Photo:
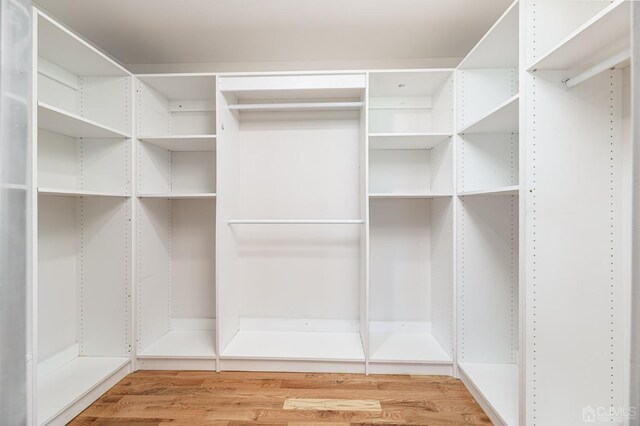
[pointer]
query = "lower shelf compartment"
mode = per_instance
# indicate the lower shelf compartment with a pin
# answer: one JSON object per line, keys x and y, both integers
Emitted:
{"x": 183, "y": 344}
{"x": 64, "y": 386}
{"x": 498, "y": 385}
{"x": 296, "y": 345}
{"x": 407, "y": 348}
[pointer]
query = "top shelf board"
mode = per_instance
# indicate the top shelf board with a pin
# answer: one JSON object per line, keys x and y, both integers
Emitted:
{"x": 406, "y": 84}
{"x": 502, "y": 119}
{"x": 182, "y": 86}
{"x": 60, "y": 46}
{"x": 603, "y": 36}
{"x": 499, "y": 47}
{"x": 406, "y": 140}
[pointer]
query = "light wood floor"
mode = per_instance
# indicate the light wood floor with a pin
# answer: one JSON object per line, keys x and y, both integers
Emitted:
{"x": 182, "y": 398}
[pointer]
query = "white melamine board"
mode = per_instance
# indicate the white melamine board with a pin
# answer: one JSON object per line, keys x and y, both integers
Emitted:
{"x": 180, "y": 196}
{"x": 58, "y": 263}
{"x": 181, "y": 86}
{"x": 574, "y": 249}
{"x": 364, "y": 236}
{"x": 153, "y": 270}
{"x": 107, "y": 100}
{"x": 79, "y": 193}
{"x": 406, "y": 84}
{"x": 105, "y": 288}
{"x": 182, "y": 142}
{"x": 193, "y": 172}
{"x": 501, "y": 119}
{"x": 185, "y": 344}
{"x": 62, "y": 47}
{"x": 153, "y": 169}
{"x": 426, "y": 195}
{"x": 442, "y": 279}
{"x": 488, "y": 279}
{"x": 152, "y": 111}
{"x": 487, "y": 161}
{"x": 406, "y": 140}
{"x": 603, "y": 36}
{"x": 193, "y": 258}
{"x": 502, "y": 190}
{"x": 59, "y": 121}
{"x": 55, "y": 90}
{"x": 400, "y": 260}
{"x": 294, "y": 86}
{"x": 57, "y": 160}
{"x": 59, "y": 389}
{"x": 574, "y": 31}
{"x": 295, "y": 346}
{"x": 407, "y": 347}
{"x": 482, "y": 93}
{"x": 499, "y": 386}
{"x": 441, "y": 168}
{"x": 400, "y": 171}
{"x": 499, "y": 47}
{"x": 293, "y": 106}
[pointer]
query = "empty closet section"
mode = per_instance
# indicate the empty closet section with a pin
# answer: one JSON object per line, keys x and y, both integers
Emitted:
{"x": 411, "y": 221}
{"x": 84, "y": 294}
{"x": 290, "y": 226}
{"x": 578, "y": 180}
{"x": 83, "y": 288}
{"x": 176, "y": 221}
{"x": 488, "y": 220}
{"x": 176, "y": 129}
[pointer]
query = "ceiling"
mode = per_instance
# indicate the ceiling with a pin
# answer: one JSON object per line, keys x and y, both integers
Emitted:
{"x": 214, "y": 31}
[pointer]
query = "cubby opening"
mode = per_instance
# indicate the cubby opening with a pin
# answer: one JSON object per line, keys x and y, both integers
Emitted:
{"x": 84, "y": 295}
{"x": 411, "y": 104}
{"x": 411, "y": 281}
{"x": 292, "y": 233}
{"x": 176, "y": 279}
{"x": 488, "y": 162}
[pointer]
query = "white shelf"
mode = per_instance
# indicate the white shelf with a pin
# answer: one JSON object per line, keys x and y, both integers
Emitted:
{"x": 182, "y": 142}
{"x": 182, "y": 86}
{"x": 64, "y": 386}
{"x": 79, "y": 193}
{"x": 603, "y": 36}
{"x": 505, "y": 190}
{"x": 191, "y": 196}
{"x": 183, "y": 344}
{"x": 65, "y": 49}
{"x": 502, "y": 119}
{"x": 406, "y": 140}
{"x": 499, "y": 47}
{"x": 297, "y": 106}
{"x": 407, "y": 195}
{"x": 498, "y": 384}
{"x": 59, "y": 121}
{"x": 284, "y": 345}
{"x": 406, "y": 348}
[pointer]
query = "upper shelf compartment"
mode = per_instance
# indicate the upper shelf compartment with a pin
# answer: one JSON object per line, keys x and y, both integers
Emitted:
{"x": 603, "y": 36}
{"x": 411, "y": 102}
{"x": 294, "y": 92}
{"x": 499, "y": 47}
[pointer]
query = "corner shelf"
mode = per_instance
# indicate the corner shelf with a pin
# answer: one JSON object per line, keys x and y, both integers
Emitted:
{"x": 185, "y": 196}
{"x": 505, "y": 190}
{"x": 59, "y": 121}
{"x": 407, "y": 195}
{"x": 182, "y": 344}
{"x": 497, "y": 385}
{"x": 604, "y": 35}
{"x": 184, "y": 143}
{"x": 407, "y": 140}
{"x": 502, "y": 119}
{"x": 79, "y": 193}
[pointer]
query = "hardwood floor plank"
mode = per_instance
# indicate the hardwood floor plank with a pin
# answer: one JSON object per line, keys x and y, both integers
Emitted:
{"x": 332, "y": 404}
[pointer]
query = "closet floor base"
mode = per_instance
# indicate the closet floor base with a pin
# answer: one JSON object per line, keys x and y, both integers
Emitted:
{"x": 183, "y": 344}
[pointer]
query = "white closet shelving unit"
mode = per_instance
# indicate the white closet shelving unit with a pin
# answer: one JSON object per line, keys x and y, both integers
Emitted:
{"x": 578, "y": 197}
{"x": 82, "y": 169}
{"x": 488, "y": 219}
{"x": 176, "y": 180}
{"x": 411, "y": 221}
{"x": 291, "y": 242}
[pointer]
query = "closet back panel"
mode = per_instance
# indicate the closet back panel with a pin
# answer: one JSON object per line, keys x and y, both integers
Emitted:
{"x": 193, "y": 258}
{"x": 58, "y": 263}
{"x": 488, "y": 161}
{"x": 575, "y": 261}
{"x": 299, "y": 166}
{"x": 488, "y": 279}
{"x": 482, "y": 90}
{"x": 400, "y": 170}
{"x": 193, "y": 172}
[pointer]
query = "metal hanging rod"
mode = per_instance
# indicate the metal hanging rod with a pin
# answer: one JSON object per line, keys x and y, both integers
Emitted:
{"x": 597, "y": 69}
{"x": 296, "y": 222}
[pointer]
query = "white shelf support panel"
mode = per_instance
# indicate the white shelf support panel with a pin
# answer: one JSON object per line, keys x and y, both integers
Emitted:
{"x": 296, "y": 222}
{"x": 607, "y": 64}
{"x": 297, "y": 106}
